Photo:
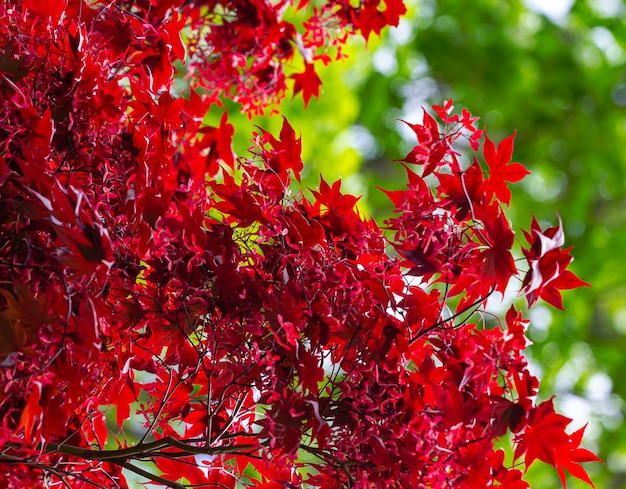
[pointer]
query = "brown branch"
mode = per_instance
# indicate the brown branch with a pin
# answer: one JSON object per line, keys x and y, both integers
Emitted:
{"x": 150, "y": 476}
{"x": 153, "y": 449}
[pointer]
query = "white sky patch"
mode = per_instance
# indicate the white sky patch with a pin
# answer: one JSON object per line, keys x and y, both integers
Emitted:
{"x": 358, "y": 138}
{"x": 605, "y": 41}
{"x": 540, "y": 319}
{"x": 403, "y": 34}
{"x": 606, "y": 8}
{"x": 542, "y": 188}
{"x": 580, "y": 361}
{"x": 535, "y": 368}
{"x": 599, "y": 387}
{"x": 204, "y": 461}
{"x": 384, "y": 61}
{"x": 598, "y": 405}
{"x": 499, "y": 304}
{"x": 555, "y": 10}
{"x": 598, "y": 414}
{"x": 576, "y": 408}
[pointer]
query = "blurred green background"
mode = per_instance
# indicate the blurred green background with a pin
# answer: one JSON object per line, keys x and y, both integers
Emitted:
{"x": 555, "y": 71}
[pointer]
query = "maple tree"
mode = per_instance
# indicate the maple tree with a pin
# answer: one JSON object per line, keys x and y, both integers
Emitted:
{"x": 252, "y": 335}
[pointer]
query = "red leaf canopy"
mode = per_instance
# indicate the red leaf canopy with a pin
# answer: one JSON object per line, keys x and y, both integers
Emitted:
{"x": 172, "y": 311}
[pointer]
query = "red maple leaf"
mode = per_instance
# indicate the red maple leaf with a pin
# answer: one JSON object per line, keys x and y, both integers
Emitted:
{"x": 432, "y": 147}
{"x": 332, "y": 198}
{"x": 48, "y": 11}
{"x": 498, "y": 265}
{"x": 307, "y": 82}
{"x": 571, "y": 459}
{"x": 172, "y": 34}
{"x": 33, "y": 411}
{"x": 548, "y": 264}
{"x": 272, "y": 475}
{"x": 544, "y": 435}
{"x": 371, "y": 19}
{"x": 501, "y": 170}
{"x": 219, "y": 140}
{"x": 285, "y": 153}
{"x": 462, "y": 189}
{"x": 545, "y": 439}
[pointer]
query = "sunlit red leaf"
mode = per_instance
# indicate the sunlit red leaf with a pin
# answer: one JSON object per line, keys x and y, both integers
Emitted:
{"x": 285, "y": 153}
{"x": 548, "y": 263}
{"x": 32, "y": 414}
{"x": 307, "y": 82}
{"x": 499, "y": 265}
{"x": 501, "y": 170}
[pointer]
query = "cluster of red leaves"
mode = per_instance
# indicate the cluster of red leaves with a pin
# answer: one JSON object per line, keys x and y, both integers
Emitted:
{"x": 236, "y": 48}
{"x": 264, "y": 338}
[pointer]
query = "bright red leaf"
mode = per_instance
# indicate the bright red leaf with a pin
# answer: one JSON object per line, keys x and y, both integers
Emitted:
{"x": 307, "y": 82}
{"x": 548, "y": 263}
{"x": 501, "y": 170}
{"x": 545, "y": 439}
